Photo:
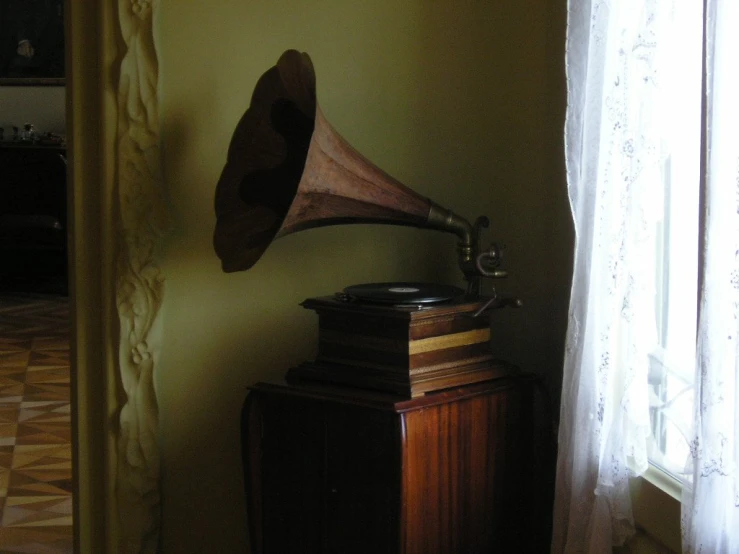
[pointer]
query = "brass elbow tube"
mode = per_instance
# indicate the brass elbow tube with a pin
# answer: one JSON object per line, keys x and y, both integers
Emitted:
{"x": 446, "y": 220}
{"x": 443, "y": 219}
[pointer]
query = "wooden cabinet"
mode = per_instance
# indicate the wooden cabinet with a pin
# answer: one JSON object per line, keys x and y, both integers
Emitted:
{"x": 33, "y": 210}
{"x": 345, "y": 471}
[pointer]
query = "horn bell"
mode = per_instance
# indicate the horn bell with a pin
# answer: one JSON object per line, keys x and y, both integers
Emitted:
{"x": 288, "y": 170}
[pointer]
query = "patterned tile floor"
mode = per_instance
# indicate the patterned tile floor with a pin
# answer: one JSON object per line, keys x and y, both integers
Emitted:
{"x": 35, "y": 433}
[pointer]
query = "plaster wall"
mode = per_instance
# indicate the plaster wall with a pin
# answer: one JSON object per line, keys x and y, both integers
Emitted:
{"x": 461, "y": 100}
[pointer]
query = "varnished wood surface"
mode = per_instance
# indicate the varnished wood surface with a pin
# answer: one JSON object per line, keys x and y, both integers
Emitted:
{"x": 265, "y": 162}
{"x": 404, "y": 345}
{"x": 327, "y": 477}
{"x": 339, "y": 185}
{"x": 329, "y": 304}
{"x": 332, "y": 470}
{"x": 449, "y": 340}
{"x": 36, "y": 491}
{"x": 403, "y": 384}
{"x": 466, "y": 475}
{"x": 401, "y": 349}
{"x": 387, "y": 401}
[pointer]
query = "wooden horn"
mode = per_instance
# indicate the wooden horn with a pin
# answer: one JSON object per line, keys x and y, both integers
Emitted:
{"x": 289, "y": 170}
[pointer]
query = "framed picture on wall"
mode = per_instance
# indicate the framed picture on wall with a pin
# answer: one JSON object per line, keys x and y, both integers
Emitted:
{"x": 31, "y": 42}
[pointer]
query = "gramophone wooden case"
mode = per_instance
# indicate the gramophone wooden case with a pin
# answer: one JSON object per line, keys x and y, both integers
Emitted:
{"x": 409, "y": 350}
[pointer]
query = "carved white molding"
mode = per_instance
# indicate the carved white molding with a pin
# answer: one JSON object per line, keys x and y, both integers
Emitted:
{"x": 141, "y": 224}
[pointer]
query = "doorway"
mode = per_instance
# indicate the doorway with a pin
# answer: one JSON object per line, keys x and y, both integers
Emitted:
{"x": 36, "y": 500}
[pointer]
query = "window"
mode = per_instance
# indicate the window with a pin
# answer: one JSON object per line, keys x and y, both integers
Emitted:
{"x": 672, "y": 364}
{"x": 644, "y": 144}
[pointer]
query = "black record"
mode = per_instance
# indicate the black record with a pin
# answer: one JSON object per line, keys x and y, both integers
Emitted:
{"x": 403, "y": 293}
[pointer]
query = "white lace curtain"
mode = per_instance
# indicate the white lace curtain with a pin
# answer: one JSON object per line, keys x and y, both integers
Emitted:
{"x": 619, "y": 58}
{"x": 711, "y": 500}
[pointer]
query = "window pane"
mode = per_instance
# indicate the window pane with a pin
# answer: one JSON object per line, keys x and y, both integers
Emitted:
{"x": 672, "y": 366}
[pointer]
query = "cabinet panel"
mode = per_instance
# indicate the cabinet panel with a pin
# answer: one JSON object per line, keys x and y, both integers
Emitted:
{"x": 330, "y": 477}
{"x": 374, "y": 473}
{"x": 363, "y": 463}
{"x": 293, "y": 476}
{"x": 463, "y": 472}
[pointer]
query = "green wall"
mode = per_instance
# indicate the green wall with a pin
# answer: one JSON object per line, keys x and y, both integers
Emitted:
{"x": 461, "y": 100}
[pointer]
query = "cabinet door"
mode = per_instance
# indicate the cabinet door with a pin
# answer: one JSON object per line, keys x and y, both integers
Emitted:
{"x": 323, "y": 476}
{"x": 465, "y": 473}
{"x": 292, "y": 475}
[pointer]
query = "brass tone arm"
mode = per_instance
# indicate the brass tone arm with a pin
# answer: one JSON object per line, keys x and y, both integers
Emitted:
{"x": 473, "y": 263}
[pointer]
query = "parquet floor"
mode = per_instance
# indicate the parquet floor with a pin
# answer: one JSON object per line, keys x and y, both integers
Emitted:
{"x": 35, "y": 432}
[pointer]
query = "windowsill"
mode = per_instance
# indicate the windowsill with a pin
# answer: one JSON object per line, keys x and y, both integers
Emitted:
{"x": 663, "y": 481}
{"x": 656, "y": 504}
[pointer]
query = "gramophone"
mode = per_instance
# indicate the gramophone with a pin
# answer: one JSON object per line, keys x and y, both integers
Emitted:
{"x": 288, "y": 170}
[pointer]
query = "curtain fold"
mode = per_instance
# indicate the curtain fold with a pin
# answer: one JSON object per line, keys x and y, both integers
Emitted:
{"x": 710, "y": 511}
{"x": 622, "y": 69}
{"x": 615, "y": 157}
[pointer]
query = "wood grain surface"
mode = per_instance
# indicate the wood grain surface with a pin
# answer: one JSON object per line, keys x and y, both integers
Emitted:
{"x": 341, "y": 470}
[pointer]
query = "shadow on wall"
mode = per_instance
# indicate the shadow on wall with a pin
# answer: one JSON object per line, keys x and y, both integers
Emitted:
{"x": 511, "y": 138}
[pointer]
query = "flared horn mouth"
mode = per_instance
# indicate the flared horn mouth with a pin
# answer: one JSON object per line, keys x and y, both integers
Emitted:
{"x": 265, "y": 161}
{"x": 288, "y": 170}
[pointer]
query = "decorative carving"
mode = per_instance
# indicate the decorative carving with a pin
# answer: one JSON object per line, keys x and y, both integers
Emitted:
{"x": 142, "y": 221}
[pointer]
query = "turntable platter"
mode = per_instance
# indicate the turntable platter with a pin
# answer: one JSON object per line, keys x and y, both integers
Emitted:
{"x": 403, "y": 293}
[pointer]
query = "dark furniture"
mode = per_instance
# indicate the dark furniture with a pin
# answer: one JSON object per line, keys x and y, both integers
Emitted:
{"x": 341, "y": 470}
{"x": 404, "y": 349}
{"x": 33, "y": 216}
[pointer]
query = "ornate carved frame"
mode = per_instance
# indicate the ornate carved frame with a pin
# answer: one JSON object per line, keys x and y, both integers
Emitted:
{"x": 118, "y": 220}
